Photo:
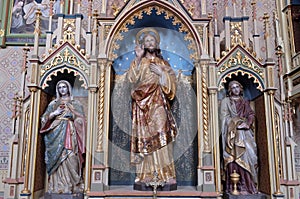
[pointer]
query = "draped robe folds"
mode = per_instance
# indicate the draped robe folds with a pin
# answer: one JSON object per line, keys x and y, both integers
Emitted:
{"x": 64, "y": 138}
{"x": 153, "y": 126}
{"x": 239, "y": 146}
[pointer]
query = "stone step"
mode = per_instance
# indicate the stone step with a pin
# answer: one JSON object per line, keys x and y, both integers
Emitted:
{"x": 252, "y": 196}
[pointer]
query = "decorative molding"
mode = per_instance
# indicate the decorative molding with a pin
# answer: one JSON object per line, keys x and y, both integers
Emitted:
{"x": 68, "y": 58}
{"x": 69, "y": 70}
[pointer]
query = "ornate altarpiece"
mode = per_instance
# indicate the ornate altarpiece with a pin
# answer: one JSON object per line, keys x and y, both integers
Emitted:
{"x": 95, "y": 60}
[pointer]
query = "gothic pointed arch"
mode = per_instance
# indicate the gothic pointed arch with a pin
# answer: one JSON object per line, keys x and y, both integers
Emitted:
{"x": 240, "y": 65}
{"x": 163, "y": 14}
{"x": 64, "y": 60}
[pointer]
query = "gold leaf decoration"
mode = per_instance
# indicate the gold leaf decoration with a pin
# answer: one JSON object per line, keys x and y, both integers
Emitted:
{"x": 191, "y": 10}
{"x": 2, "y": 32}
{"x": 69, "y": 31}
{"x": 115, "y": 8}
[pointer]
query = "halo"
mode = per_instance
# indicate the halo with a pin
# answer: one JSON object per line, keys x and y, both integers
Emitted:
{"x": 144, "y": 31}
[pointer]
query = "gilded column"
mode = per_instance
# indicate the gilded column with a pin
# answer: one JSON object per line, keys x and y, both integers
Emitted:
{"x": 105, "y": 139}
{"x": 269, "y": 67}
{"x": 214, "y": 123}
{"x": 92, "y": 122}
{"x": 89, "y": 137}
{"x": 26, "y": 189}
{"x": 34, "y": 114}
{"x": 277, "y": 192}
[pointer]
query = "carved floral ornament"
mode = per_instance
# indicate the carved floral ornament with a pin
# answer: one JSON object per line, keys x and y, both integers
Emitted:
{"x": 159, "y": 11}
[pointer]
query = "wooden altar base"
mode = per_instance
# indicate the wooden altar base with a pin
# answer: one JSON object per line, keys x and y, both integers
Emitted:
{"x": 143, "y": 187}
{"x": 63, "y": 196}
{"x": 127, "y": 192}
{"x": 252, "y": 196}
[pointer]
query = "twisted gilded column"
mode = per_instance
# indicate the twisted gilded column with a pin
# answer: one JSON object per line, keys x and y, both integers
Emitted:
{"x": 199, "y": 114}
{"x": 101, "y": 92}
{"x": 205, "y": 111}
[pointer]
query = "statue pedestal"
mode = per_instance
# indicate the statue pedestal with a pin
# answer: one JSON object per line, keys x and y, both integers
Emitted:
{"x": 250, "y": 196}
{"x": 143, "y": 187}
{"x": 63, "y": 196}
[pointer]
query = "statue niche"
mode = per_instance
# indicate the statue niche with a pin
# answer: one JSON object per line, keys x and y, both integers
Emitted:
{"x": 239, "y": 130}
{"x": 163, "y": 63}
{"x": 63, "y": 127}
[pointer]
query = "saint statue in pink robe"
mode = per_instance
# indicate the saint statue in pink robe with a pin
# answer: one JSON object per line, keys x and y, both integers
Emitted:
{"x": 64, "y": 129}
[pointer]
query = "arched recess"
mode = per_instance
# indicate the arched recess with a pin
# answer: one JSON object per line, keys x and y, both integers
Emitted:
{"x": 179, "y": 19}
{"x": 52, "y": 72}
{"x": 55, "y": 74}
{"x": 254, "y": 90}
{"x": 252, "y": 82}
{"x": 75, "y": 76}
{"x": 177, "y": 32}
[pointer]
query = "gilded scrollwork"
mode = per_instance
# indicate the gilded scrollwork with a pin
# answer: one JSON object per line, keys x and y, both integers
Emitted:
{"x": 240, "y": 59}
{"x": 64, "y": 57}
{"x": 61, "y": 70}
{"x": 236, "y": 36}
{"x": 243, "y": 65}
{"x": 139, "y": 14}
{"x": 148, "y": 11}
